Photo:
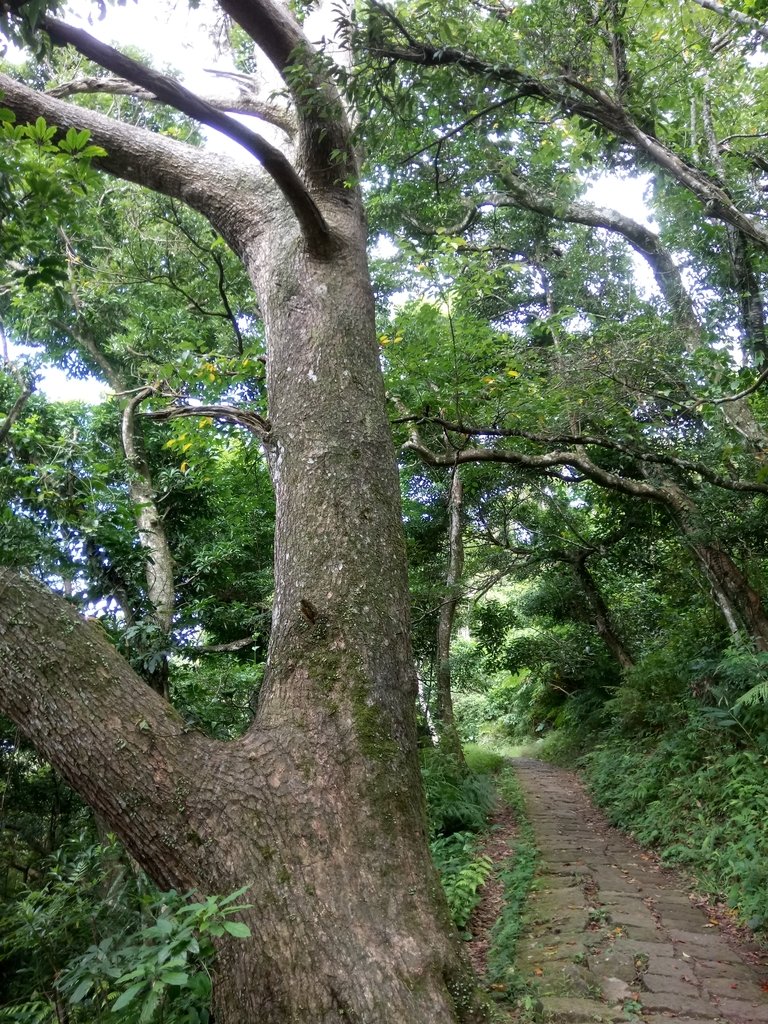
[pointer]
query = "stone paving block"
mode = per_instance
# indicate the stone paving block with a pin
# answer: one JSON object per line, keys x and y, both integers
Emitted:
{"x": 664, "y": 1018}
{"x": 616, "y": 991}
{"x": 743, "y": 1011}
{"x": 545, "y": 880}
{"x": 706, "y": 946}
{"x": 614, "y": 964}
{"x": 729, "y": 989}
{"x": 665, "y": 898}
{"x": 669, "y": 983}
{"x": 632, "y": 917}
{"x": 609, "y": 898}
{"x": 690, "y": 925}
{"x": 672, "y": 966}
{"x": 533, "y": 953}
{"x": 656, "y": 948}
{"x": 560, "y": 1010}
{"x": 718, "y": 969}
{"x": 616, "y": 883}
{"x": 680, "y": 1003}
{"x": 634, "y": 934}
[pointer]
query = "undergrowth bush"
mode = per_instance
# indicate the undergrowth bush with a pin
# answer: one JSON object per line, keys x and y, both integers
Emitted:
{"x": 458, "y": 803}
{"x": 458, "y": 800}
{"x": 95, "y": 941}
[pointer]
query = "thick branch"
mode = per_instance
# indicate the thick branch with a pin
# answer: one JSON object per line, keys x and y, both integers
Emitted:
{"x": 569, "y": 93}
{"x": 279, "y": 168}
{"x": 232, "y": 647}
{"x": 736, "y": 16}
{"x": 15, "y": 411}
{"x": 595, "y": 440}
{"x": 226, "y": 413}
{"x": 122, "y": 747}
{"x": 324, "y": 132}
{"x": 641, "y": 238}
{"x": 574, "y": 460}
{"x": 208, "y": 183}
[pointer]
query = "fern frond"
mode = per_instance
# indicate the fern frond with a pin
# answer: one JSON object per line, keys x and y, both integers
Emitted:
{"x": 754, "y": 696}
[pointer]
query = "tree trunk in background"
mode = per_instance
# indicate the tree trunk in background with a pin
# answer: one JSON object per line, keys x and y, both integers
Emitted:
{"x": 448, "y": 737}
{"x": 732, "y": 591}
{"x": 600, "y": 613}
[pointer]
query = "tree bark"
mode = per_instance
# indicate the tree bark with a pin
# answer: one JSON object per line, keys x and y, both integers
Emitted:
{"x": 600, "y": 614}
{"x": 448, "y": 736}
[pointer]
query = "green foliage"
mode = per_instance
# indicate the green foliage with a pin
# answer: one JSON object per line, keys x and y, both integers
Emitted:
{"x": 653, "y": 692}
{"x": 482, "y": 760}
{"x": 457, "y": 801}
{"x": 140, "y": 971}
{"x": 162, "y": 971}
{"x": 458, "y": 804}
{"x": 462, "y": 873}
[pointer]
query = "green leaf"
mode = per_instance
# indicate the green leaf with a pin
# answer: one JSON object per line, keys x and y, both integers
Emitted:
{"x": 238, "y": 929}
{"x": 81, "y": 991}
{"x": 128, "y": 996}
{"x": 175, "y": 978}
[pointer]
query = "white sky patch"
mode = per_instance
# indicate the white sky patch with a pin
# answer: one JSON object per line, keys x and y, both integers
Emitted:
{"x": 55, "y": 384}
{"x": 627, "y": 196}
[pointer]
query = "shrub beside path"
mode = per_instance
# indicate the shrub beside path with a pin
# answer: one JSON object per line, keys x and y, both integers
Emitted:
{"x": 611, "y": 936}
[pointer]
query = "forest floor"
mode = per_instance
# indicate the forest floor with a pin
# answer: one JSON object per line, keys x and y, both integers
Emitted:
{"x": 609, "y": 934}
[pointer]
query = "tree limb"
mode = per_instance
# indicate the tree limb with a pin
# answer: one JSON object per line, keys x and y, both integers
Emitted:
{"x": 279, "y": 168}
{"x": 741, "y": 19}
{"x": 226, "y": 413}
{"x": 324, "y": 132}
{"x": 245, "y": 103}
{"x": 207, "y": 182}
{"x": 576, "y": 459}
{"x": 16, "y": 409}
{"x": 119, "y": 744}
{"x": 567, "y": 92}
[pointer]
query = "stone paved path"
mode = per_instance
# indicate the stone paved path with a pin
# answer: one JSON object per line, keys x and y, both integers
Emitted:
{"x": 607, "y": 933}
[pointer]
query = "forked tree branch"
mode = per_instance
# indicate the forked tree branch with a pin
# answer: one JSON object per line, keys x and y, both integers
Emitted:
{"x": 325, "y": 148}
{"x": 275, "y": 163}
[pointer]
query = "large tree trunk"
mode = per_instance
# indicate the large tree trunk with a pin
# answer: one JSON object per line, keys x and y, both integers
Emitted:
{"x": 319, "y": 807}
